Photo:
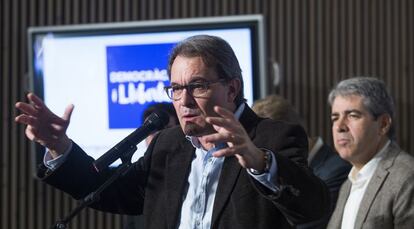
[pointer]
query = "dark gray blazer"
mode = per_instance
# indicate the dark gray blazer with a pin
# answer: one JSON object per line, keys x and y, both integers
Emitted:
{"x": 333, "y": 170}
{"x": 389, "y": 199}
{"x": 155, "y": 184}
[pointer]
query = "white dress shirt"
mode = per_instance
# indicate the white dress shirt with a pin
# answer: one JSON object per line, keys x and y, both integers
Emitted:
{"x": 360, "y": 180}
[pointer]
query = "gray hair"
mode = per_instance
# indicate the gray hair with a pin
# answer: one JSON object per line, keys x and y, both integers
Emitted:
{"x": 216, "y": 53}
{"x": 375, "y": 96}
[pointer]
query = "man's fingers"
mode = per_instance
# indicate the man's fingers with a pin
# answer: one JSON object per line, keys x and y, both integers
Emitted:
{"x": 223, "y": 112}
{"x": 229, "y": 124}
{"x": 26, "y": 108}
{"x": 216, "y": 137}
{"x": 229, "y": 151}
{"x": 226, "y": 119}
{"x": 29, "y": 134}
{"x": 222, "y": 153}
{"x": 36, "y": 100}
{"x": 26, "y": 119}
{"x": 68, "y": 112}
{"x": 218, "y": 121}
{"x": 65, "y": 118}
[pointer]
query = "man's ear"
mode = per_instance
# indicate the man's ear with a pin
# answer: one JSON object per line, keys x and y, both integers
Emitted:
{"x": 385, "y": 123}
{"x": 234, "y": 86}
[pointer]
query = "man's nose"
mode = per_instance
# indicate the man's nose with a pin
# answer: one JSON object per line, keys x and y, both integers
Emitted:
{"x": 341, "y": 125}
{"x": 186, "y": 98}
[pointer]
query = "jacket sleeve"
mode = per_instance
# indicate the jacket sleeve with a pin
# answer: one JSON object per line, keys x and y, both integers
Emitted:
{"x": 77, "y": 177}
{"x": 302, "y": 197}
{"x": 403, "y": 207}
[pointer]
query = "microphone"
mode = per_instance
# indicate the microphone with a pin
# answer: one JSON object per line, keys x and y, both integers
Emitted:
{"x": 156, "y": 121}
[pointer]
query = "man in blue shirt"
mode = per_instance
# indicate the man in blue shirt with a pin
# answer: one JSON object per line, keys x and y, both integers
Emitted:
{"x": 223, "y": 167}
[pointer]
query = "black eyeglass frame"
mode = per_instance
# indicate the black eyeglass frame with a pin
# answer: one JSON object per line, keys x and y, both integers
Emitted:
{"x": 190, "y": 88}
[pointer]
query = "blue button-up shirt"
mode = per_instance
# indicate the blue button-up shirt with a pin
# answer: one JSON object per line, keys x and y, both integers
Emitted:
{"x": 197, "y": 208}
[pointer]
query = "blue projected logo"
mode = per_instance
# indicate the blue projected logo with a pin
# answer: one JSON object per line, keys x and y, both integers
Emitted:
{"x": 136, "y": 78}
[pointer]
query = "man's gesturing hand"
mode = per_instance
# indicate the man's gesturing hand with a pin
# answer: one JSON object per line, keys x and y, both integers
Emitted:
{"x": 230, "y": 130}
{"x": 43, "y": 126}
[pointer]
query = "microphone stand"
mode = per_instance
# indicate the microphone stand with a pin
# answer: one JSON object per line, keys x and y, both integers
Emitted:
{"x": 95, "y": 195}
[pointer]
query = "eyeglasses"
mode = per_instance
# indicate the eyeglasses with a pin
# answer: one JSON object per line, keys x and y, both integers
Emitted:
{"x": 196, "y": 89}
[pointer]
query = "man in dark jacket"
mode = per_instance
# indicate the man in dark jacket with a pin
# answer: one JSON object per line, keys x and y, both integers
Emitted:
{"x": 224, "y": 167}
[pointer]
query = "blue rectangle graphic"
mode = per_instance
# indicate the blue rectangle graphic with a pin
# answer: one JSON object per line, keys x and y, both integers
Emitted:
{"x": 136, "y": 77}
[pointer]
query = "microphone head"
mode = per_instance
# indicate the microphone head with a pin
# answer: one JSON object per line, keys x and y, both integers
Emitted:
{"x": 158, "y": 119}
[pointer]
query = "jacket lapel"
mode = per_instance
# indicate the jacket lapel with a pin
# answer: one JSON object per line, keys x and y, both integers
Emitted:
{"x": 336, "y": 219}
{"x": 375, "y": 184}
{"x": 231, "y": 169}
{"x": 228, "y": 177}
{"x": 178, "y": 165}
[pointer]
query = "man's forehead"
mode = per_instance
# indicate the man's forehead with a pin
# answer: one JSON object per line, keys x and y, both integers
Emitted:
{"x": 191, "y": 73}
{"x": 191, "y": 78}
{"x": 348, "y": 99}
{"x": 347, "y": 111}
{"x": 347, "y": 104}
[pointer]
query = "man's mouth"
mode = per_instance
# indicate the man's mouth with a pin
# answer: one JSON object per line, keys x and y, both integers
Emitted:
{"x": 189, "y": 117}
{"x": 342, "y": 141}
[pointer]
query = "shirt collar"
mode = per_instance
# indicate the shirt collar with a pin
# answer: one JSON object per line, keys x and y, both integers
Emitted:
{"x": 368, "y": 169}
{"x": 194, "y": 140}
{"x": 316, "y": 147}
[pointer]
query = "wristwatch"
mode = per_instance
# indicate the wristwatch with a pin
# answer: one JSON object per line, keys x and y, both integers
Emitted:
{"x": 268, "y": 161}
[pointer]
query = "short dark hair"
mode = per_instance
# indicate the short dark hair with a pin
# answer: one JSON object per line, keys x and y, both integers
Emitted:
{"x": 375, "y": 96}
{"x": 216, "y": 53}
